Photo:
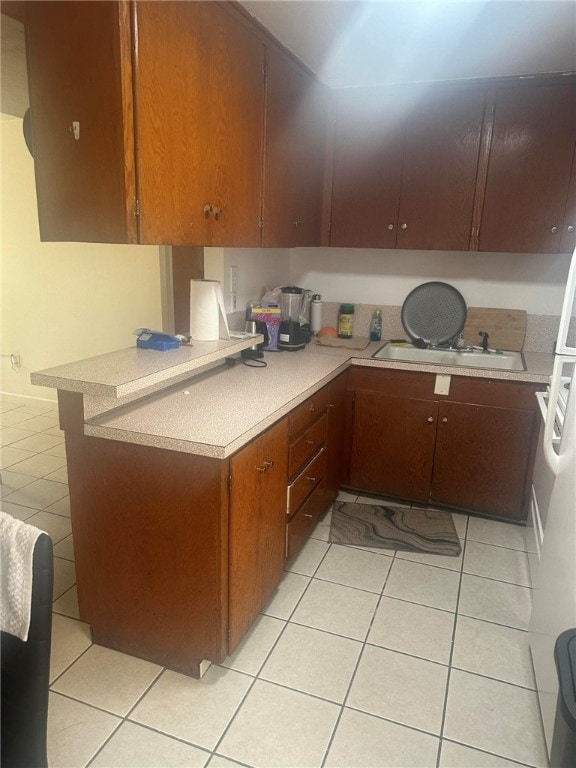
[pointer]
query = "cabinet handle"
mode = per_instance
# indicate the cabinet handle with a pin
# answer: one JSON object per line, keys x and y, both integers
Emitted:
{"x": 307, "y": 515}
{"x": 207, "y": 211}
{"x": 331, "y": 405}
{"x": 430, "y": 419}
{"x": 260, "y": 469}
{"x": 554, "y": 230}
{"x": 390, "y": 227}
{"x": 297, "y": 223}
{"x": 309, "y": 442}
{"x": 311, "y": 407}
{"x": 268, "y": 464}
{"x": 403, "y": 226}
{"x": 444, "y": 420}
{"x": 570, "y": 228}
{"x": 217, "y": 213}
{"x": 312, "y": 479}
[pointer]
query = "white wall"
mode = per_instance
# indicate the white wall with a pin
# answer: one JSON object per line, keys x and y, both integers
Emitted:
{"x": 512, "y": 281}
{"x": 63, "y": 301}
{"x": 257, "y": 269}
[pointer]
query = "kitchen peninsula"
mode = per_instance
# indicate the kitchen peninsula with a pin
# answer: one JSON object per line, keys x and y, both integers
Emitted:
{"x": 192, "y": 480}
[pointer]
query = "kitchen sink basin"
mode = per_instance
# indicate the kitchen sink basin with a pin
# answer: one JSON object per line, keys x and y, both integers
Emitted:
{"x": 473, "y": 358}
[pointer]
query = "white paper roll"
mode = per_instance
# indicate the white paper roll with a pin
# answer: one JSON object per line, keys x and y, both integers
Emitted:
{"x": 207, "y": 312}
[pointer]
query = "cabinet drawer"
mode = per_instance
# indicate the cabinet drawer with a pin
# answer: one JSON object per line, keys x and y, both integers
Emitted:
{"x": 305, "y": 520}
{"x": 307, "y": 412}
{"x": 307, "y": 445}
{"x": 306, "y": 481}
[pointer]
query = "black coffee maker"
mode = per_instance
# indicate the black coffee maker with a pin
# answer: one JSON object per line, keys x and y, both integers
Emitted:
{"x": 294, "y": 332}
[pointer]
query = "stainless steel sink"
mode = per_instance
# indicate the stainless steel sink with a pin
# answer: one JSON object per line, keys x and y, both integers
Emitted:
{"x": 475, "y": 358}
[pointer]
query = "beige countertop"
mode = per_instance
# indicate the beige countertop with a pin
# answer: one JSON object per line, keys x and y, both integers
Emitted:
{"x": 217, "y": 412}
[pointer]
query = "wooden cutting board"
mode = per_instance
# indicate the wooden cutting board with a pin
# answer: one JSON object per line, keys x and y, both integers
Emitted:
{"x": 506, "y": 328}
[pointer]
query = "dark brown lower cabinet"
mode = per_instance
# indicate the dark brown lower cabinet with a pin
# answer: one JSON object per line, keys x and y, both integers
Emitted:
{"x": 472, "y": 449}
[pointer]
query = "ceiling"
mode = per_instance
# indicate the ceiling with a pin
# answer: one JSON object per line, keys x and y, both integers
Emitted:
{"x": 365, "y": 42}
{"x": 351, "y": 43}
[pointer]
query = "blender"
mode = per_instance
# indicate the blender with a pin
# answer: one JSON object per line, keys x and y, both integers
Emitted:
{"x": 294, "y": 331}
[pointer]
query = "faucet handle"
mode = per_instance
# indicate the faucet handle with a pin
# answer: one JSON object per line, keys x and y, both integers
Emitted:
{"x": 485, "y": 338}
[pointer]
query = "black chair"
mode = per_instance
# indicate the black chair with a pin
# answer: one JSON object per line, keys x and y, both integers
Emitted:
{"x": 26, "y": 673}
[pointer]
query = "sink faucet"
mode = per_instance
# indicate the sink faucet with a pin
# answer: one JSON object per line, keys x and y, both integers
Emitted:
{"x": 485, "y": 338}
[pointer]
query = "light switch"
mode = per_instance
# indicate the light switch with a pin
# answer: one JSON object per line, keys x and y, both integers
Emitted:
{"x": 442, "y": 384}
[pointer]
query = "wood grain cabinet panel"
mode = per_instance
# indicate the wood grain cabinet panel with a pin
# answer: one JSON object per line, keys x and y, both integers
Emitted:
{"x": 296, "y": 111}
{"x": 529, "y": 169}
{"x": 259, "y": 474}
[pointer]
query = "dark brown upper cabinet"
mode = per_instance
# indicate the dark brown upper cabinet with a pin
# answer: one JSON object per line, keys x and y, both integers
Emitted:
{"x": 405, "y": 166}
{"x": 296, "y": 109}
{"x": 529, "y": 169}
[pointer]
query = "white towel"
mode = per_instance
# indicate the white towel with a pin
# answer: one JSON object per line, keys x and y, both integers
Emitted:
{"x": 17, "y": 542}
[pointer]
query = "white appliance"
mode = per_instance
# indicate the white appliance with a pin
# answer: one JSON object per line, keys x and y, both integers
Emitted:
{"x": 552, "y": 551}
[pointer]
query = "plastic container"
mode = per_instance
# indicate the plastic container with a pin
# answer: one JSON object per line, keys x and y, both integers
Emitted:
{"x": 316, "y": 313}
{"x": 346, "y": 321}
{"x": 376, "y": 326}
{"x": 563, "y": 749}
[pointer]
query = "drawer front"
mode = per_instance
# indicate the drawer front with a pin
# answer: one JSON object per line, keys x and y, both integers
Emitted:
{"x": 307, "y": 412}
{"x": 306, "y": 482}
{"x": 307, "y": 445}
{"x": 301, "y": 525}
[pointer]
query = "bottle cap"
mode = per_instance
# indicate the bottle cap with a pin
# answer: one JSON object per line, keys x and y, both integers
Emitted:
{"x": 316, "y": 297}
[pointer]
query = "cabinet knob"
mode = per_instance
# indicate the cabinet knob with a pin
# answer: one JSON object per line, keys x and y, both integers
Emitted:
{"x": 311, "y": 407}
{"x": 297, "y": 223}
{"x": 570, "y": 228}
{"x": 444, "y": 420}
{"x": 309, "y": 442}
{"x": 307, "y": 515}
{"x": 268, "y": 464}
{"x": 554, "y": 230}
{"x": 260, "y": 469}
{"x": 430, "y": 418}
{"x": 207, "y": 211}
{"x": 390, "y": 227}
{"x": 403, "y": 226}
{"x": 217, "y": 212}
{"x": 312, "y": 479}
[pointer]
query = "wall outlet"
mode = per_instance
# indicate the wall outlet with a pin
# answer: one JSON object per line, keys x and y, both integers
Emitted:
{"x": 234, "y": 279}
{"x": 442, "y": 385}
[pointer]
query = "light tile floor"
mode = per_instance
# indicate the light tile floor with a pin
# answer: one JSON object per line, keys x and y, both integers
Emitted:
{"x": 364, "y": 657}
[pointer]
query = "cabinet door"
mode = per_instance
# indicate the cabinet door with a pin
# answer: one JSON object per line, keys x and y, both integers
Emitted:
{"x": 366, "y": 174}
{"x": 529, "y": 169}
{"x": 257, "y": 527}
{"x": 441, "y": 152}
{"x": 335, "y": 436}
{"x": 482, "y": 457}
{"x": 393, "y": 445}
{"x": 199, "y": 85}
{"x": 294, "y": 154}
{"x": 79, "y": 77}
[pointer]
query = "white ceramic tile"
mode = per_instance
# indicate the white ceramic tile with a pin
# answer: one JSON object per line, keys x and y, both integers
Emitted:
{"x": 54, "y": 431}
{"x": 107, "y": 679}
{"x": 64, "y": 576}
{"x": 70, "y": 638}
{"x": 309, "y": 557}
{"x": 253, "y": 650}
{"x": 436, "y": 587}
{"x": 38, "y": 465}
{"x": 10, "y": 456}
{"x": 494, "y": 651}
{"x": 75, "y": 731}
{"x": 56, "y": 526}
{"x": 509, "y": 565}
{"x": 495, "y": 717}
{"x": 460, "y": 523}
{"x": 287, "y": 595}
{"x": 38, "y": 409}
{"x": 39, "y": 494}
{"x": 39, "y": 423}
{"x": 64, "y": 548}
{"x": 12, "y": 417}
{"x": 60, "y": 507}
{"x": 58, "y": 450}
{"x": 217, "y": 761}
{"x": 398, "y": 687}
{"x": 452, "y": 563}
{"x": 335, "y": 608}
{"x": 196, "y": 711}
{"x": 368, "y": 742}
{"x": 10, "y": 435}
{"x": 59, "y": 475}
{"x": 457, "y": 756}
{"x": 313, "y": 662}
{"x": 495, "y": 601}
{"x": 414, "y": 629}
{"x": 354, "y": 568}
{"x": 276, "y": 727}
{"x": 37, "y": 442}
{"x": 13, "y": 481}
{"x": 18, "y": 512}
{"x": 497, "y": 533}
{"x": 67, "y": 604}
{"x": 133, "y": 746}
